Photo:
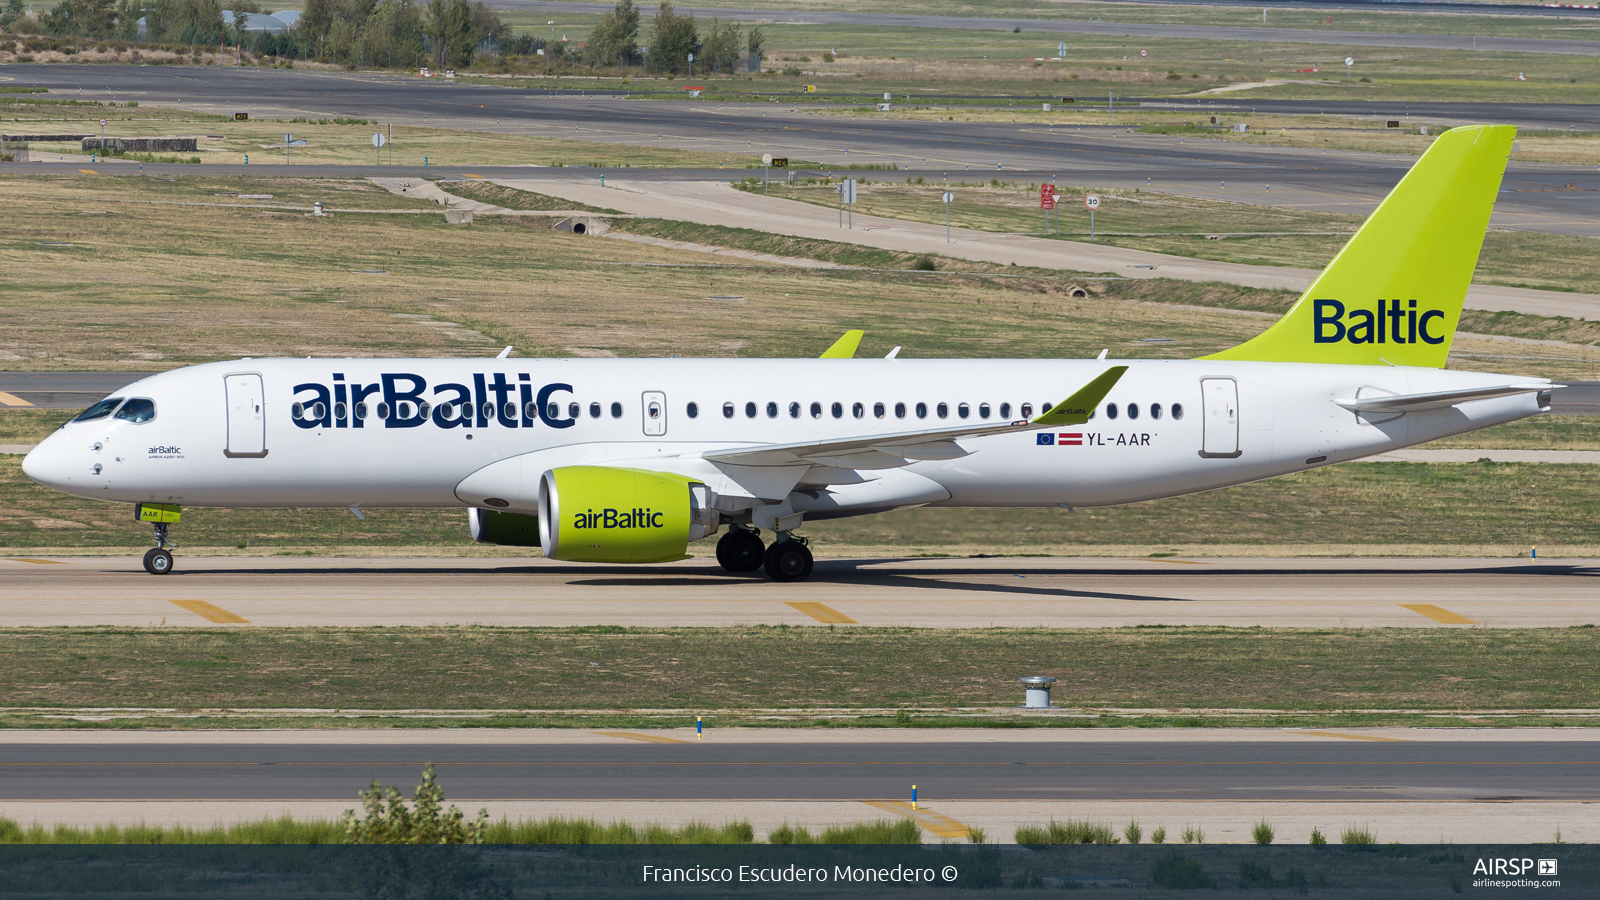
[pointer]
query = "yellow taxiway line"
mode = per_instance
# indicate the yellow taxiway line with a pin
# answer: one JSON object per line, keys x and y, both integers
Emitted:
{"x": 823, "y": 613}
{"x": 12, "y": 400}
{"x": 1438, "y": 613}
{"x": 646, "y": 738}
{"x": 937, "y": 824}
{"x": 211, "y": 612}
{"x": 1351, "y": 737}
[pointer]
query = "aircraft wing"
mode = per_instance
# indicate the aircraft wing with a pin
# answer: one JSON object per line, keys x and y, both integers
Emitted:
{"x": 887, "y": 451}
{"x": 1438, "y": 399}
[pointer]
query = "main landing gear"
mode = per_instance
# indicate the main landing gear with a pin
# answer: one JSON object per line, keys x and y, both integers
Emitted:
{"x": 158, "y": 561}
{"x": 788, "y": 559}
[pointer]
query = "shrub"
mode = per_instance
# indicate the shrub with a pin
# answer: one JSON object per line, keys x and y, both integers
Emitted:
{"x": 925, "y": 264}
{"x": 1071, "y": 831}
{"x": 389, "y": 821}
{"x": 1317, "y": 839}
{"x": 1193, "y": 834}
{"x": 1174, "y": 870}
{"x": 903, "y": 831}
{"x": 1262, "y": 833}
{"x": 1133, "y": 833}
{"x": 1159, "y": 836}
{"x": 1354, "y": 836}
{"x": 1173, "y": 76}
{"x": 976, "y": 835}
{"x": 827, "y": 57}
{"x": 793, "y": 70}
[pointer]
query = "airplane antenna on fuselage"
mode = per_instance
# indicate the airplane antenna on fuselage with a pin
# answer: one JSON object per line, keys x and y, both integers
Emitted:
{"x": 1103, "y": 353}
{"x": 893, "y": 353}
{"x": 503, "y": 353}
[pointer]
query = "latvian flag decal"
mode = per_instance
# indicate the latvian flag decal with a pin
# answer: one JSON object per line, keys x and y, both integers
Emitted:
{"x": 1071, "y": 440}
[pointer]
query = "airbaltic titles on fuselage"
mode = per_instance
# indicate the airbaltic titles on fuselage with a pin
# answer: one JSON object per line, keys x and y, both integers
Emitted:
{"x": 407, "y": 402}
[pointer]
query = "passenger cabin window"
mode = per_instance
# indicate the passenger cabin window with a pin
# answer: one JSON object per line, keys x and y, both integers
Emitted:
{"x": 816, "y": 410}
{"x": 594, "y": 410}
{"x": 1133, "y": 410}
{"x": 383, "y": 410}
{"x": 983, "y": 410}
{"x": 361, "y": 411}
{"x": 944, "y": 410}
{"x": 616, "y": 410}
{"x": 1005, "y": 410}
{"x": 727, "y": 410}
{"x": 693, "y": 409}
{"x": 749, "y": 410}
{"x": 877, "y": 410}
{"x": 922, "y": 410}
{"x": 899, "y": 410}
{"x": 772, "y": 410}
{"x": 837, "y": 410}
{"x": 1111, "y": 410}
{"x": 1177, "y": 410}
{"x": 857, "y": 410}
{"x": 340, "y": 411}
{"x": 529, "y": 410}
{"x": 794, "y": 410}
{"x": 574, "y": 410}
{"x": 1155, "y": 410}
{"x": 99, "y": 410}
{"x": 1027, "y": 410}
{"x": 963, "y": 410}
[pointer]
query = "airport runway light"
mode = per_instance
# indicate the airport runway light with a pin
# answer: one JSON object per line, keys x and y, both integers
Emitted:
{"x": 913, "y": 796}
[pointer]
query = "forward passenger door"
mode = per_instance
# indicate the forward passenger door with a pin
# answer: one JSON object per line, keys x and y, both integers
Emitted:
{"x": 247, "y": 421}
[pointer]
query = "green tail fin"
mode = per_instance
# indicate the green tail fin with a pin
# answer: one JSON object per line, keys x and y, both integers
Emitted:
{"x": 844, "y": 347}
{"x": 1394, "y": 293}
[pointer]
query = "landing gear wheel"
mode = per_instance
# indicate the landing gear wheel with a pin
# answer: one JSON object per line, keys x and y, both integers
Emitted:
{"x": 741, "y": 551}
{"x": 789, "y": 561}
{"x": 158, "y": 562}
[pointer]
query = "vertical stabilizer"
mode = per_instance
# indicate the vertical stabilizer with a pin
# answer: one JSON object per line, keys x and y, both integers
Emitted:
{"x": 1394, "y": 293}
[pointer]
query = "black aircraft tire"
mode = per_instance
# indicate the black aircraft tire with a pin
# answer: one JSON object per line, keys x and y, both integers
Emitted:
{"x": 158, "y": 562}
{"x": 741, "y": 551}
{"x": 789, "y": 561}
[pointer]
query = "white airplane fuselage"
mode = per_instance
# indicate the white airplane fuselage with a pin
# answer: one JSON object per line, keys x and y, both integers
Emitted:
{"x": 207, "y": 446}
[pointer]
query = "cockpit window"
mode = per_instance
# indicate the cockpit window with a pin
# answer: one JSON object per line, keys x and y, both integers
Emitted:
{"x": 139, "y": 409}
{"x": 99, "y": 410}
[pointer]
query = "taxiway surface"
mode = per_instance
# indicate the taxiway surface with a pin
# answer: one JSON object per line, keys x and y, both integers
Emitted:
{"x": 1536, "y": 197}
{"x": 1406, "y": 784}
{"x": 935, "y": 593}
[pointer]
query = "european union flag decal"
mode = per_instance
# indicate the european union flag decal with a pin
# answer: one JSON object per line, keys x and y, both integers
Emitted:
{"x": 1046, "y": 440}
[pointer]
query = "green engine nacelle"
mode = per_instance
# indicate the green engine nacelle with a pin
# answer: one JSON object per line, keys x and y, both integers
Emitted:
{"x": 605, "y": 514}
{"x": 503, "y": 528}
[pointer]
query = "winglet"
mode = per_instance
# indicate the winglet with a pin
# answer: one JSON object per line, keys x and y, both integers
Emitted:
{"x": 845, "y": 347}
{"x": 1077, "y": 409}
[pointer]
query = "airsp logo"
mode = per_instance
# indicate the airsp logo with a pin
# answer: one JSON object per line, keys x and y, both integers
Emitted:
{"x": 1394, "y": 322}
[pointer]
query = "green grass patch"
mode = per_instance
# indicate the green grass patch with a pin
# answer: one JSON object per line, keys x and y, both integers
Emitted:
{"x": 549, "y": 672}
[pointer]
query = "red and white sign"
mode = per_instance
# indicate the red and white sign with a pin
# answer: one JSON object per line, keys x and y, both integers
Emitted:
{"x": 102, "y": 123}
{"x": 1047, "y": 196}
{"x": 1144, "y": 53}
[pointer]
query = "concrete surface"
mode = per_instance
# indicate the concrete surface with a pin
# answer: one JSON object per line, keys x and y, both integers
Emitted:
{"x": 942, "y": 593}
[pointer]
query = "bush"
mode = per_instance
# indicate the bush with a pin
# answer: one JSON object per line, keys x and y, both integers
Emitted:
{"x": 1317, "y": 839}
{"x": 1133, "y": 833}
{"x": 1159, "y": 836}
{"x": 1071, "y": 831}
{"x": 390, "y": 821}
{"x": 925, "y": 264}
{"x": 1262, "y": 833}
{"x": 903, "y": 831}
{"x": 1193, "y": 834}
{"x": 1174, "y": 870}
{"x": 827, "y": 57}
{"x": 1357, "y": 837}
{"x": 560, "y": 830}
{"x": 976, "y": 835}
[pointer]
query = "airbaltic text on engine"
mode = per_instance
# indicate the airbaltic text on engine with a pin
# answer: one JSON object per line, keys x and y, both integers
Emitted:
{"x": 610, "y": 518}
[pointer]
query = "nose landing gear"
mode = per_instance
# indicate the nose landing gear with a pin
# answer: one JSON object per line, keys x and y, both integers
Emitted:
{"x": 161, "y": 517}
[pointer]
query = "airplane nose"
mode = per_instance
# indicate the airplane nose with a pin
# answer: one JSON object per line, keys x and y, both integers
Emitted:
{"x": 40, "y": 463}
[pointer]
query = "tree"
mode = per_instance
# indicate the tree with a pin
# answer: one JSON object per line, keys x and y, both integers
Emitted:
{"x": 90, "y": 18}
{"x": 14, "y": 10}
{"x": 672, "y": 39}
{"x": 720, "y": 50}
{"x": 449, "y": 27}
{"x": 615, "y": 41}
{"x": 757, "y": 39}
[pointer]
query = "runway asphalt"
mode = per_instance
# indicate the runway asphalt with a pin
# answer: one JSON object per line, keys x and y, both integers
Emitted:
{"x": 1536, "y": 197}
{"x": 924, "y": 593}
{"x": 1406, "y": 784}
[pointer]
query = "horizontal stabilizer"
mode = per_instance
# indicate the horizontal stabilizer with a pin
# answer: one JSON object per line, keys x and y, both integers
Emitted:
{"x": 1439, "y": 399}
